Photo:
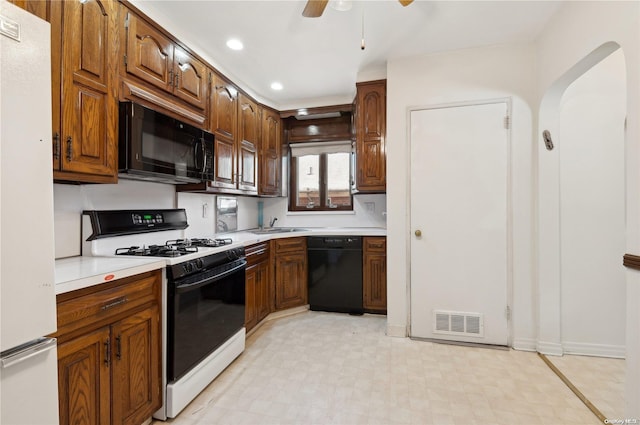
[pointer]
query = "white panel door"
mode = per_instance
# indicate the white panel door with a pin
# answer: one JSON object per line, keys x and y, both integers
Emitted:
{"x": 459, "y": 203}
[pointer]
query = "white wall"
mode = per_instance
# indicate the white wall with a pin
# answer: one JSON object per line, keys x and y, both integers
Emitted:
{"x": 578, "y": 36}
{"x": 461, "y": 76}
{"x": 70, "y": 200}
{"x": 592, "y": 211}
{"x": 368, "y": 211}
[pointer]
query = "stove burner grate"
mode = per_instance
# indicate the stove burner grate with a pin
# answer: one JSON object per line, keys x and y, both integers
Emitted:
{"x": 157, "y": 251}
{"x": 203, "y": 242}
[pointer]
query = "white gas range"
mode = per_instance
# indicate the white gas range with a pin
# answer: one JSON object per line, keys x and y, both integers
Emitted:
{"x": 203, "y": 298}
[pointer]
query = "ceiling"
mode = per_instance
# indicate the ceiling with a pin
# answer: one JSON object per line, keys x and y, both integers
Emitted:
{"x": 319, "y": 60}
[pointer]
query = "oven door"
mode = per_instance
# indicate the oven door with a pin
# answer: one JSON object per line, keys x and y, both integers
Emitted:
{"x": 155, "y": 145}
{"x": 205, "y": 310}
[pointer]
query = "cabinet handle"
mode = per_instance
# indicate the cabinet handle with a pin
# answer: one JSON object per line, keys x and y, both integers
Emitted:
{"x": 177, "y": 77}
{"x": 171, "y": 77}
{"x": 107, "y": 354}
{"x": 69, "y": 149}
{"x": 56, "y": 145}
{"x": 118, "y": 347}
{"x": 115, "y": 303}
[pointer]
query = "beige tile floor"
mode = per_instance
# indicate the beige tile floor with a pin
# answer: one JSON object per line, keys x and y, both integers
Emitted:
{"x": 600, "y": 380}
{"x": 326, "y": 368}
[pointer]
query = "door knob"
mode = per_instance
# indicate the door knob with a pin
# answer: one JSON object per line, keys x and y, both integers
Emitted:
{"x": 418, "y": 233}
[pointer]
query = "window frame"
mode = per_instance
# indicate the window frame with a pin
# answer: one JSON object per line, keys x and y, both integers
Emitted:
{"x": 323, "y": 183}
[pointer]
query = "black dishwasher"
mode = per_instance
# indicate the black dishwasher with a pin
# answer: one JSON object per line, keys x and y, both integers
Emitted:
{"x": 335, "y": 273}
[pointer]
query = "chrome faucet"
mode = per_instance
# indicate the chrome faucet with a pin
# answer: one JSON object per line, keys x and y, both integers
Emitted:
{"x": 273, "y": 221}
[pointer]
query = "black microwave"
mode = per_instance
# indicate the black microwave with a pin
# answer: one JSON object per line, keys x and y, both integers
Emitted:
{"x": 155, "y": 147}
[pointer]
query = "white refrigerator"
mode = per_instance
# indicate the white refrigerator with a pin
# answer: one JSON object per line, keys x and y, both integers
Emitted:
{"x": 28, "y": 359}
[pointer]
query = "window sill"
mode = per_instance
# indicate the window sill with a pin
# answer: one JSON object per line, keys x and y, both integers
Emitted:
{"x": 307, "y": 213}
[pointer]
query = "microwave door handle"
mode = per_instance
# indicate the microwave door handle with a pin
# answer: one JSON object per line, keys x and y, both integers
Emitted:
{"x": 204, "y": 157}
{"x": 196, "y": 153}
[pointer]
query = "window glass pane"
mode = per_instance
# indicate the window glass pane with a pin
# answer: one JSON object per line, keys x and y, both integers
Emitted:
{"x": 308, "y": 179}
{"x": 338, "y": 179}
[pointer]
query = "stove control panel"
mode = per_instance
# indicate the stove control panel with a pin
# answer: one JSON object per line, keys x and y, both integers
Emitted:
{"x": 147, "y": 218}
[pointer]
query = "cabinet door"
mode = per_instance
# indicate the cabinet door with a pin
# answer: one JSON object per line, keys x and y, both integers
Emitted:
{"x": 270, "y": 152}
{"x": 291, "y": 280}
{"x": 224, "y": 122}
{"x": 251, "y": 281}
{"x": 263, "y": 292}
{"x": 224, "y": 107}
{"x": 249, "y": 132}
{"x": 136, "y": 367}
{"x": 190, "y": 79}
{"x": 374, "y": 274}
{"x": 370, "y": 136}
{"x": 89, "y": 107}
{"x": 149, "y": 53}
{"x": 84, "y": 379}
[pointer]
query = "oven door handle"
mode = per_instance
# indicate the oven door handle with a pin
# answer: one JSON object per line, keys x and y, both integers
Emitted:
{"x": 208, "y": 280}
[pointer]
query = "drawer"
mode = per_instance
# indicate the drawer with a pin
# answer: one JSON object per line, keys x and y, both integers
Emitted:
{"x": 290, "y": 245}
{"x": 257, "y": 253}
{"x": 375, "y": 244}
{"x": 77, "y": 309}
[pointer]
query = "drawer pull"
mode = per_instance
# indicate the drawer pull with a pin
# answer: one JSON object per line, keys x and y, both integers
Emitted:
{"x": 376, "y": 245}
{"x": 115, "y": 303}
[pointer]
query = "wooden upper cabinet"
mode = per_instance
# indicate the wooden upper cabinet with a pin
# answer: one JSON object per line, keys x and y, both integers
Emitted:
{"x": 249, "y": 132}
{"x": 190, "y": 76}
{"x": 370, "y": 136}
{"x": 87, "y": 138}
{"x": 224, "y": 107}
{"x": 155, "y": 58}
{"x": 149, "y": 54}
{"x": 224, "y": 123}
{"x": 270, "y": 153}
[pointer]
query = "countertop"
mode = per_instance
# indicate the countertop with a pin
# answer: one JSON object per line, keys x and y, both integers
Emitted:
{"x": 245, "y": 237}
{"x": 81, "y": 272}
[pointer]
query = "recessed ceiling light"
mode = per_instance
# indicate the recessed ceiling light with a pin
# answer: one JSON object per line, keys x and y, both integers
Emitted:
{"x": 276, "y": 86}
{"x": 234, "y": 44}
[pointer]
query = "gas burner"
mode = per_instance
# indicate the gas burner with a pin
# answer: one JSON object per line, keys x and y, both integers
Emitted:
{"x": 210, "y": 243}
{"x": 157, "y": 251}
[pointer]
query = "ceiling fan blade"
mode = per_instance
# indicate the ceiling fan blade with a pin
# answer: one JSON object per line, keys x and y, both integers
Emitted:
{"x": 405, "y": 2}
{"x": 314, "y": 8}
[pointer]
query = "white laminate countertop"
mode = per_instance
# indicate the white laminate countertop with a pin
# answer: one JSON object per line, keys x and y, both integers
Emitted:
{"x": 81, "y": 272}
{"x": 246, "y": 237}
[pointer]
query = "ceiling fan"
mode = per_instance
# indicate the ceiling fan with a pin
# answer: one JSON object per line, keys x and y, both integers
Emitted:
{"x": 314, "y": 8}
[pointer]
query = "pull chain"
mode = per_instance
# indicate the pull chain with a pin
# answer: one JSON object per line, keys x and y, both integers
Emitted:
{"x": 362, "y": 41}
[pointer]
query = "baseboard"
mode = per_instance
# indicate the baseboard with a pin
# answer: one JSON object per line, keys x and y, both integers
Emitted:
{"x": 599, "y": 350}
{"x": 549, "y": 348}
{"x": 397, "y": 331}
{"x": 524, "y": 344}
{"x": 287, "y": 312}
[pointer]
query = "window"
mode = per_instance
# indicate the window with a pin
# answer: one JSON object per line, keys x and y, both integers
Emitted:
{"x": 320, "y": 177}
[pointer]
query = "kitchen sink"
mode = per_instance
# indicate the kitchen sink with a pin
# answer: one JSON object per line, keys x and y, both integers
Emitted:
{"x": 271, "y": 230}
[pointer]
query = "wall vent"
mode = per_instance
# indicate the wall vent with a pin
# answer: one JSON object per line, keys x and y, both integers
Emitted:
{"x": 458, "y": 323}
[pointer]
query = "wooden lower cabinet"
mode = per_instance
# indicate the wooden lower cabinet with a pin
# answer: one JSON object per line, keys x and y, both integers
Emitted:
{"x": 374, "y": 274}
{"x": 84, "y": 382}
{"x": 290, "y": 272}
{"x": 258, "y": 285}
{"x": 109, "y": 352}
